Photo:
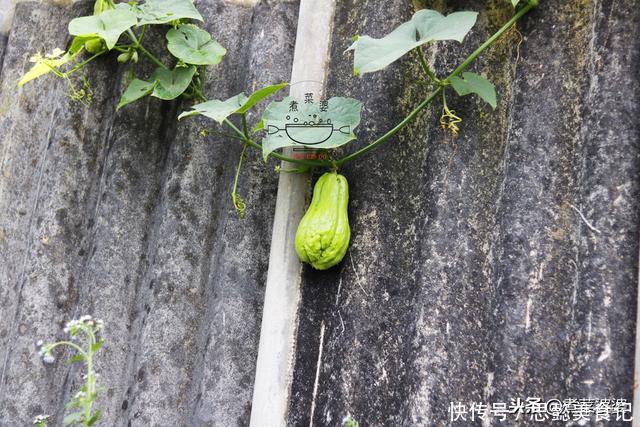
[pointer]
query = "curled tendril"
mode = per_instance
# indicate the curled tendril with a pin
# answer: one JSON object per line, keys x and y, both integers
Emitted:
{"x": 449, "y": 121}
{"x": 238, "y": 202}
{"x": 83, "y": 93}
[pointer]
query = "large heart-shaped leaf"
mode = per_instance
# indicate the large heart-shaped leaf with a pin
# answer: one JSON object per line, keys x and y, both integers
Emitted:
{"x": 108, "y": 25}
{"x": 163, "y": 11}
{"x": 216, "y": 109}
{"x": 295, "y": 123}
{"x": 220, "y": 110}
{"x": 425, "y": 26}
{"x": 475, "y": 83}
{"x": 164, "y": 84}
{"x": 194, "y": 45}
{"x": 137, "y": 89}
{"x": 171, "y": 83}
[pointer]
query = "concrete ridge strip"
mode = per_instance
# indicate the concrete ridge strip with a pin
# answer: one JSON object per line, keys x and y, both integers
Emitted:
{"x": 276, "y": 352}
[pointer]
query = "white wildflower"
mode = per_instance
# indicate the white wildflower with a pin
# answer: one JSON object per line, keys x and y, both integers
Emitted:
{"x": 40, "y": 419}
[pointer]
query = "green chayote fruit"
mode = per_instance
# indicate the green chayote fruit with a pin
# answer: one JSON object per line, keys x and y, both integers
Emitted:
{"x": 124, "y": 57}
{"x": 94, "y": 45}
{"x": 323, "y": 234}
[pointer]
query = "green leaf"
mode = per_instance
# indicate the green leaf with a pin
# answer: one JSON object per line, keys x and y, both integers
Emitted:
{"x": 164, "y": 84}
{"x": 425, "y": 26}
{"x": 515, "y": 2}
{"x": 108, "y": 25}
{"x": 45, "y": 64}
{"x": 75, "y": 358}
{"x": 194, "y": 45}
{"x": 164, "y": 11}
{"x": 258, "y": 127}
{"x": 77, "y": 45}
{"x": 220, "y": 110}
{"x": 94, "y": 418}
{"x": 137, "y": 89}
{"x": 310, "y": 126}
{"x": 216, "y": 109}
{"x": 171, "y": 83}
{"x": 96, "y": 346}
{"x": 475, "y": 83}
{"x": 259, "y": 95}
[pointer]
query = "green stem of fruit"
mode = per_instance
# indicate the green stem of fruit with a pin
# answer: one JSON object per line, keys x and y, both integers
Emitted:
{"x": 252, "y": 143}
{"x": 442, "y": 83}
{"x": 144, "y": 50}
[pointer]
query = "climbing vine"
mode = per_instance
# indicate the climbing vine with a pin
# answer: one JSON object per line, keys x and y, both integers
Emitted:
{"x": 122, "y": 27}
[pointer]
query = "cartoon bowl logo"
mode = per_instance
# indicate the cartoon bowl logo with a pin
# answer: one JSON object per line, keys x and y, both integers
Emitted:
{"x": 309, "y": 132}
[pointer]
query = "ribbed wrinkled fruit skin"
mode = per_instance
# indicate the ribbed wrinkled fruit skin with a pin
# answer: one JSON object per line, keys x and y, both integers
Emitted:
{"x": 323, "y": 234}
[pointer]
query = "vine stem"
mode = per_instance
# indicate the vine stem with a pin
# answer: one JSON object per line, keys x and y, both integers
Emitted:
{"x": 443, "y": 83}
{"x": 144, "y": 50}
{"x": 243, "y": 134}
{"x": 530, "y": 5}
{"x": 425, "y": 66}
{"x": 151, "y": 56}
{"x": 70, "y": 344}
{"x": 91, "y": 381}
{"x": 83, "y": 63}
{"x": 390, "y": 133}
{"x": 245, "y": 129}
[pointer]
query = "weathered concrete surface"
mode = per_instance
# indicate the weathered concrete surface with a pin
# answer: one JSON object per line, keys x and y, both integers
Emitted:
{"x": 471, "y": 277}
{"x": 127, "y": 216}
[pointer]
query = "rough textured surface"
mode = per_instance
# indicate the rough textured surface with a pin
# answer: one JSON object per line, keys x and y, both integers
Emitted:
{"x": 127, "y": 216}
{"x": 471, "y": 277}
{"x": 3, "y": 44}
